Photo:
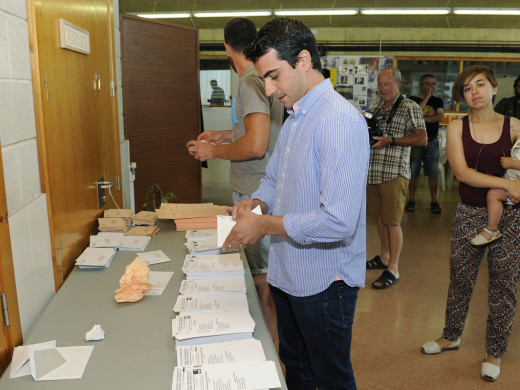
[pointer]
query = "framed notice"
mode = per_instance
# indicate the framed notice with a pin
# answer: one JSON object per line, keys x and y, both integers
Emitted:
{"x": 74, "y": 38}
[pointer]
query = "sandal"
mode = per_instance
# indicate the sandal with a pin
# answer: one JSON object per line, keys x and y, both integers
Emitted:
{"x": 376, "y": 263}
{"x": 480, "y": 240}
{"x": 410, "y": 206}
{"x": 386, "y": 280}
{"x": 435, "y": 208}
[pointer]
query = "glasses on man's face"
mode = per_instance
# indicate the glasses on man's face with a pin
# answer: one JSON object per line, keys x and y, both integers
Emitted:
{"x": 432, "y": 84}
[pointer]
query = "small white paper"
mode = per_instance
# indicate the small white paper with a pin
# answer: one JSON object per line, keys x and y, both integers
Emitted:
{"x": 203, "y": 234}
{"x": 153, "y": 257}
{"x": 225, "y": 223}
{"x": 210, "y": 303}
{"x": 158, "y": 280}
{"x": 213, "y": 286}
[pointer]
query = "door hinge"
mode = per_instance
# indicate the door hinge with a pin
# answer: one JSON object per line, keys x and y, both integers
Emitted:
{"x": 5, "y": 311}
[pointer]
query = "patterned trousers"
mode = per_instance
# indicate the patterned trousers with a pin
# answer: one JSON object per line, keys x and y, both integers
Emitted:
{"x": 503, "y": 267}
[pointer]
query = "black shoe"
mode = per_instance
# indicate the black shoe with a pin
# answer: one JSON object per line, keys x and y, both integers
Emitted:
{"x": 410, "y": 206}
{"x": 435, "y": 208}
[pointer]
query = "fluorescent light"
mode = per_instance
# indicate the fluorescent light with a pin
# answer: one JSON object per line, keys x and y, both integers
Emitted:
{"x": 169, "y": 15}
{"x": 405, "y": 11}
{"x": 224, "y": 14}
{"x": 487, "y": 11}
{"x": 316, "y": 12}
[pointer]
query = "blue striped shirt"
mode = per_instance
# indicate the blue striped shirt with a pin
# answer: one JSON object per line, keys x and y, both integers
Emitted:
{"x": 316, "y": 179}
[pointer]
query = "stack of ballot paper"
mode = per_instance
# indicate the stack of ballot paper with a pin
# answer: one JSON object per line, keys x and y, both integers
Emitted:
{"x": 134, "y": 243}
{"x": 207, "y": 247}
{"x": 225, "y": 223}
{"x": 46, "y": 362}
{"x": 182, "y": 224}
{"x": 143, "y": 231}
{"x": 250, "y": 375}
{"x": 106, "y": 240}
{"x": 197, "y": 267}
{"x": 205, "y": 328}
{"x": 188, "y": 210}
{"x": 126, "y": 214}
{"x": 227, "y": 352}
{"x": 213, "y": 286}
{"x": 187, "y": 304}
{"x": 119, "y": 241}
{"x": 147, "y": 218}
{"x": 96, "y": 258}
{"x": 112, "y": 225}
{"x": 197, "y": 235}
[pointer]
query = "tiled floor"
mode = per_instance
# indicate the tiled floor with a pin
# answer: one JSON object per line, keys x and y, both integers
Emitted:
{"x": 391, "y": 325}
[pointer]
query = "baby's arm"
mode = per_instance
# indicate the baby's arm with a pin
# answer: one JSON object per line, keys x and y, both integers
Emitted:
{"x": 508, "y": 162}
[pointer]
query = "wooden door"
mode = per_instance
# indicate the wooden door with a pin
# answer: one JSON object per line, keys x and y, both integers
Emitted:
{"x": 76, "y": 121}
{"x": 11, "y": 335}
{"x": 161, "y": 104}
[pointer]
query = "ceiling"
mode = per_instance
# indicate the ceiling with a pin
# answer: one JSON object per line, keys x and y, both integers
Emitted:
{"x": 356, "y": 21}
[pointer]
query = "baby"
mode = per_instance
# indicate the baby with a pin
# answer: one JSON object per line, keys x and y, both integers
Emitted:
{"x": 496, "y": 196}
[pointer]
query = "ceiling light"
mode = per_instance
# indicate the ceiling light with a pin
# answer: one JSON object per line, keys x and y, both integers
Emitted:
{"x": 405, "y": 11}
{"x": 316, "y": 12}
{"x": 224, "y": 14}
{"x": 169, "y": 15}
{"x": 487, "y": 11}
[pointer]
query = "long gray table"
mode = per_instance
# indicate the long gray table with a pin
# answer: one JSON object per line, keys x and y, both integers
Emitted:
{"x": 138, "y": 351}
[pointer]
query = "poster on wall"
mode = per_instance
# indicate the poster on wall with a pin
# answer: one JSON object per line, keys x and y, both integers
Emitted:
{"x": 355, "y": 78}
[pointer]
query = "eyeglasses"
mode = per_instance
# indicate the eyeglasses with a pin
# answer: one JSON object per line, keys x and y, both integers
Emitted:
{"x": 431, "y": 84}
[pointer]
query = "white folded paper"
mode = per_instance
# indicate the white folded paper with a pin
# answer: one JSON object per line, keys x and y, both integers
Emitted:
{"x": 225, "y": 223}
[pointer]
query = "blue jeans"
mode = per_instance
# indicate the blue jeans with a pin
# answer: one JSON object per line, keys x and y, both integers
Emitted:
{"x": 425, "y": 155}
{"x": 315, "y": 334}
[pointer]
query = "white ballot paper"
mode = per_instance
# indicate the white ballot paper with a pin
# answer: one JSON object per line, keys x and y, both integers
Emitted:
{"x": 213, "y": 286}
{"x": 134, "y": 243}
{"x": 203, "y": 328}
{"x": 96, "y": 257}
{"x": 153, "y": 257}
{"x": 223, "y": 266}
{"x": 210, "y": 303}
{"x": 230, "y": 352}
{"x": 203, "y": 234}
{"x": 225, "y": 223}
{"x": 106, "y": 240}
{"x": 158, "y": 280}
{"x": 254, "y": 375}
{"x": 46, "y": 362}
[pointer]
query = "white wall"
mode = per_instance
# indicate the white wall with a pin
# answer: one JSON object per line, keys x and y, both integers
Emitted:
{"x": 26, "y": 205}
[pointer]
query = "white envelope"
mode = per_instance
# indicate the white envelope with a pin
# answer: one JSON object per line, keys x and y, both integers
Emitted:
{"x": 21, "y": 365}
{"x": 46, "y": 362}
{"x": 225, "y": 223}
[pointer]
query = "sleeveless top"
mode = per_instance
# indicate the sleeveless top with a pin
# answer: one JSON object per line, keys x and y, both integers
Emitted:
{"x": 484, "y": 158}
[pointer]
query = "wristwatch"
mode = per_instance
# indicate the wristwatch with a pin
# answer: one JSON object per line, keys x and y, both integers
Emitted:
{"x": 393, "y": 141}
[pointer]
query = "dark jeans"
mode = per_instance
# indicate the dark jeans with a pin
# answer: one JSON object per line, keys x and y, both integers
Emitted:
{"x": 315, "y": 334}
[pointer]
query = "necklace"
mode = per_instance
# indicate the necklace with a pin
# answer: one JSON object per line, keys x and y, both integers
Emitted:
{"x": 484, "y": 145}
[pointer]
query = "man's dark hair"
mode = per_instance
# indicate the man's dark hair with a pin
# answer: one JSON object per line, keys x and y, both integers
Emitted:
{"x": 288, "y": 37}
{"x": 517, "y": 80}
{"x": 239, "y": 33}
{"x": 424, "y": 76}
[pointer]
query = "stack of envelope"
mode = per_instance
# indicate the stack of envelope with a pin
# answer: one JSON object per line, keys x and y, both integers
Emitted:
{"x": 147, "y": 218}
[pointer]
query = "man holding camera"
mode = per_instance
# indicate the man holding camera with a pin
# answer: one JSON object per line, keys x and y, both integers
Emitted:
{"x": 401, "y": 125}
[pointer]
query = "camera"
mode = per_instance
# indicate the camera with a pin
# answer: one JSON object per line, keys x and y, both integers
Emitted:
{"x": 373, "y": 129}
